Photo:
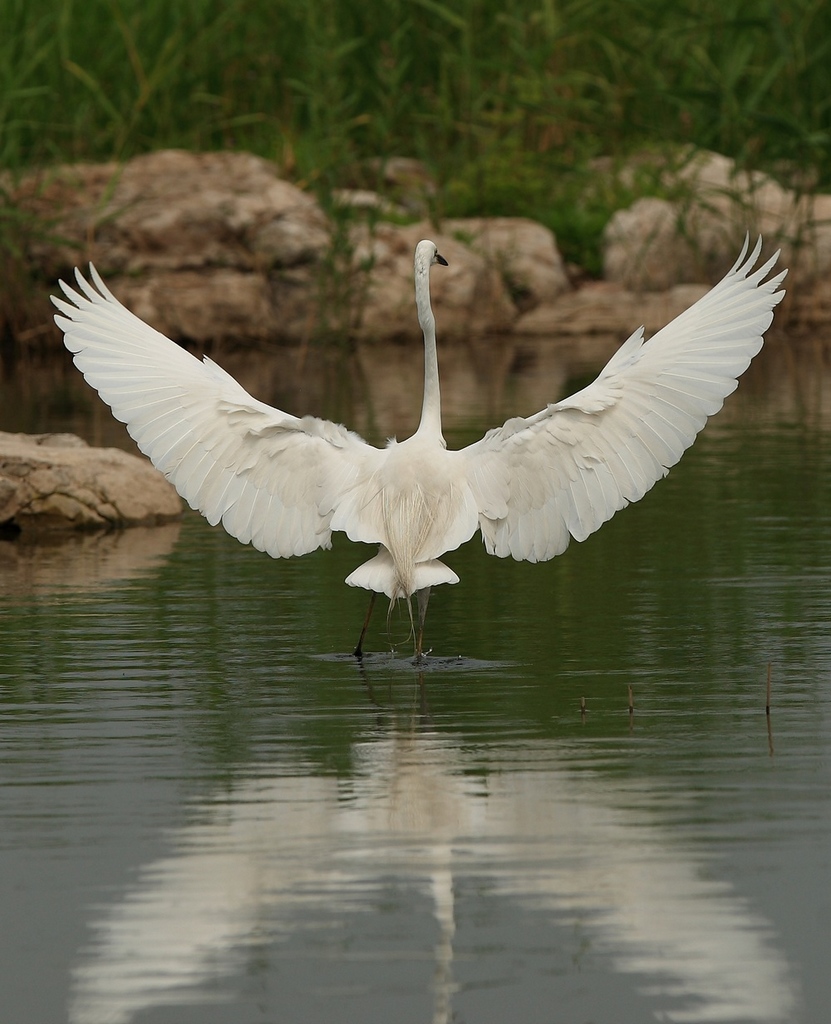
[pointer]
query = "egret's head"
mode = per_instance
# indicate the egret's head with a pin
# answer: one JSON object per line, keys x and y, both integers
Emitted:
{"x": 426, "y": 255}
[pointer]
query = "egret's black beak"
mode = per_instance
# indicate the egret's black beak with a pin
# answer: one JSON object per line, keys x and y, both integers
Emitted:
{"x": 441, "y": 259}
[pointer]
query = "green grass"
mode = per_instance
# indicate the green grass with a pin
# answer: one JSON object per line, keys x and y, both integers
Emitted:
{"x": 508, "y": 109}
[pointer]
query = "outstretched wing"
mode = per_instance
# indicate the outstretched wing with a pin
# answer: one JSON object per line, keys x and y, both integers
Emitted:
{"x": 563, "y": 472}
{"x": 272, "y": 479}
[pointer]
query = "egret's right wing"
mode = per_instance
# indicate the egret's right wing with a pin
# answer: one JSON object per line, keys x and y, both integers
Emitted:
{"x": 272, "y": 479}
{"x": 563, "y": 472}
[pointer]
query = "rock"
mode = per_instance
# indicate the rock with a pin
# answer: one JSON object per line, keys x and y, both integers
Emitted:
{"x": 207, "y": 245}
{"x": 648, "y": 249}
{"x": 174, "y": 210}
{"x": 206, "y": 306}
{"x": 524, "y": 252}
{"x": 468, "y": 297}
{"x": 655, "y": 243}
{"x": 606, "y": 308}
{"x": 741, "y": 200}
{"x": 58, "y": 482}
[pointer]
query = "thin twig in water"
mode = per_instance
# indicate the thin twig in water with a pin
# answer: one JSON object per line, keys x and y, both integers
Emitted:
{"x": 767, "y": 692}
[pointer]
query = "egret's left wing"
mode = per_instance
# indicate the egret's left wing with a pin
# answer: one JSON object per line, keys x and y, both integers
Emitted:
{"x": 274, "y": 480}
{"x": 564, "y": 471}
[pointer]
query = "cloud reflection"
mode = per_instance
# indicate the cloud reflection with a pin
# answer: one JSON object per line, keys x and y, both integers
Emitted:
{"x": 572, "y": 843}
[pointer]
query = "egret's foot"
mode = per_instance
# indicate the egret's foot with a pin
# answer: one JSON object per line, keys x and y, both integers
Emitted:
{"x": 421, "y": 657}
{"x": 359, "y": 650}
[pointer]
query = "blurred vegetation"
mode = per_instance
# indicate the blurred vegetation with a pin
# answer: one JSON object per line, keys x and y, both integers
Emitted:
{"x": 510, "y": 109}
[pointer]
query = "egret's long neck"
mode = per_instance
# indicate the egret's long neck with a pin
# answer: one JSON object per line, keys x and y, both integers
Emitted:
{"x": 431, "y": 407}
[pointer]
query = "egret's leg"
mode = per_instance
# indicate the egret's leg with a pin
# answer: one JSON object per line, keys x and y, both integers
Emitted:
{"x": 423, "y": 597}
{"x": 359, "y": 650}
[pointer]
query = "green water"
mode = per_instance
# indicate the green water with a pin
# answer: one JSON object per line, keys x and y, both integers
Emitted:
{"x": 209, "y": 813}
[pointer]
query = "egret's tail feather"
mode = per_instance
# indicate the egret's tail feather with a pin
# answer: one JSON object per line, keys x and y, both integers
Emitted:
{"x": 380, "y": 574}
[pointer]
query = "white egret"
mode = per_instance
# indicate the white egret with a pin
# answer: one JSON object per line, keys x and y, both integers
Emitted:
{"x": 284, "y": 483}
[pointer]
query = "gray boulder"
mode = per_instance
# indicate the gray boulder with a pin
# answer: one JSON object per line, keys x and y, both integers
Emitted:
{"x": 657, "y": 243}
{"x": 58, "y": 482}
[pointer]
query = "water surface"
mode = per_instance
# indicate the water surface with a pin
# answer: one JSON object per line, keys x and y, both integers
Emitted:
{"x": 209, "y": 813}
